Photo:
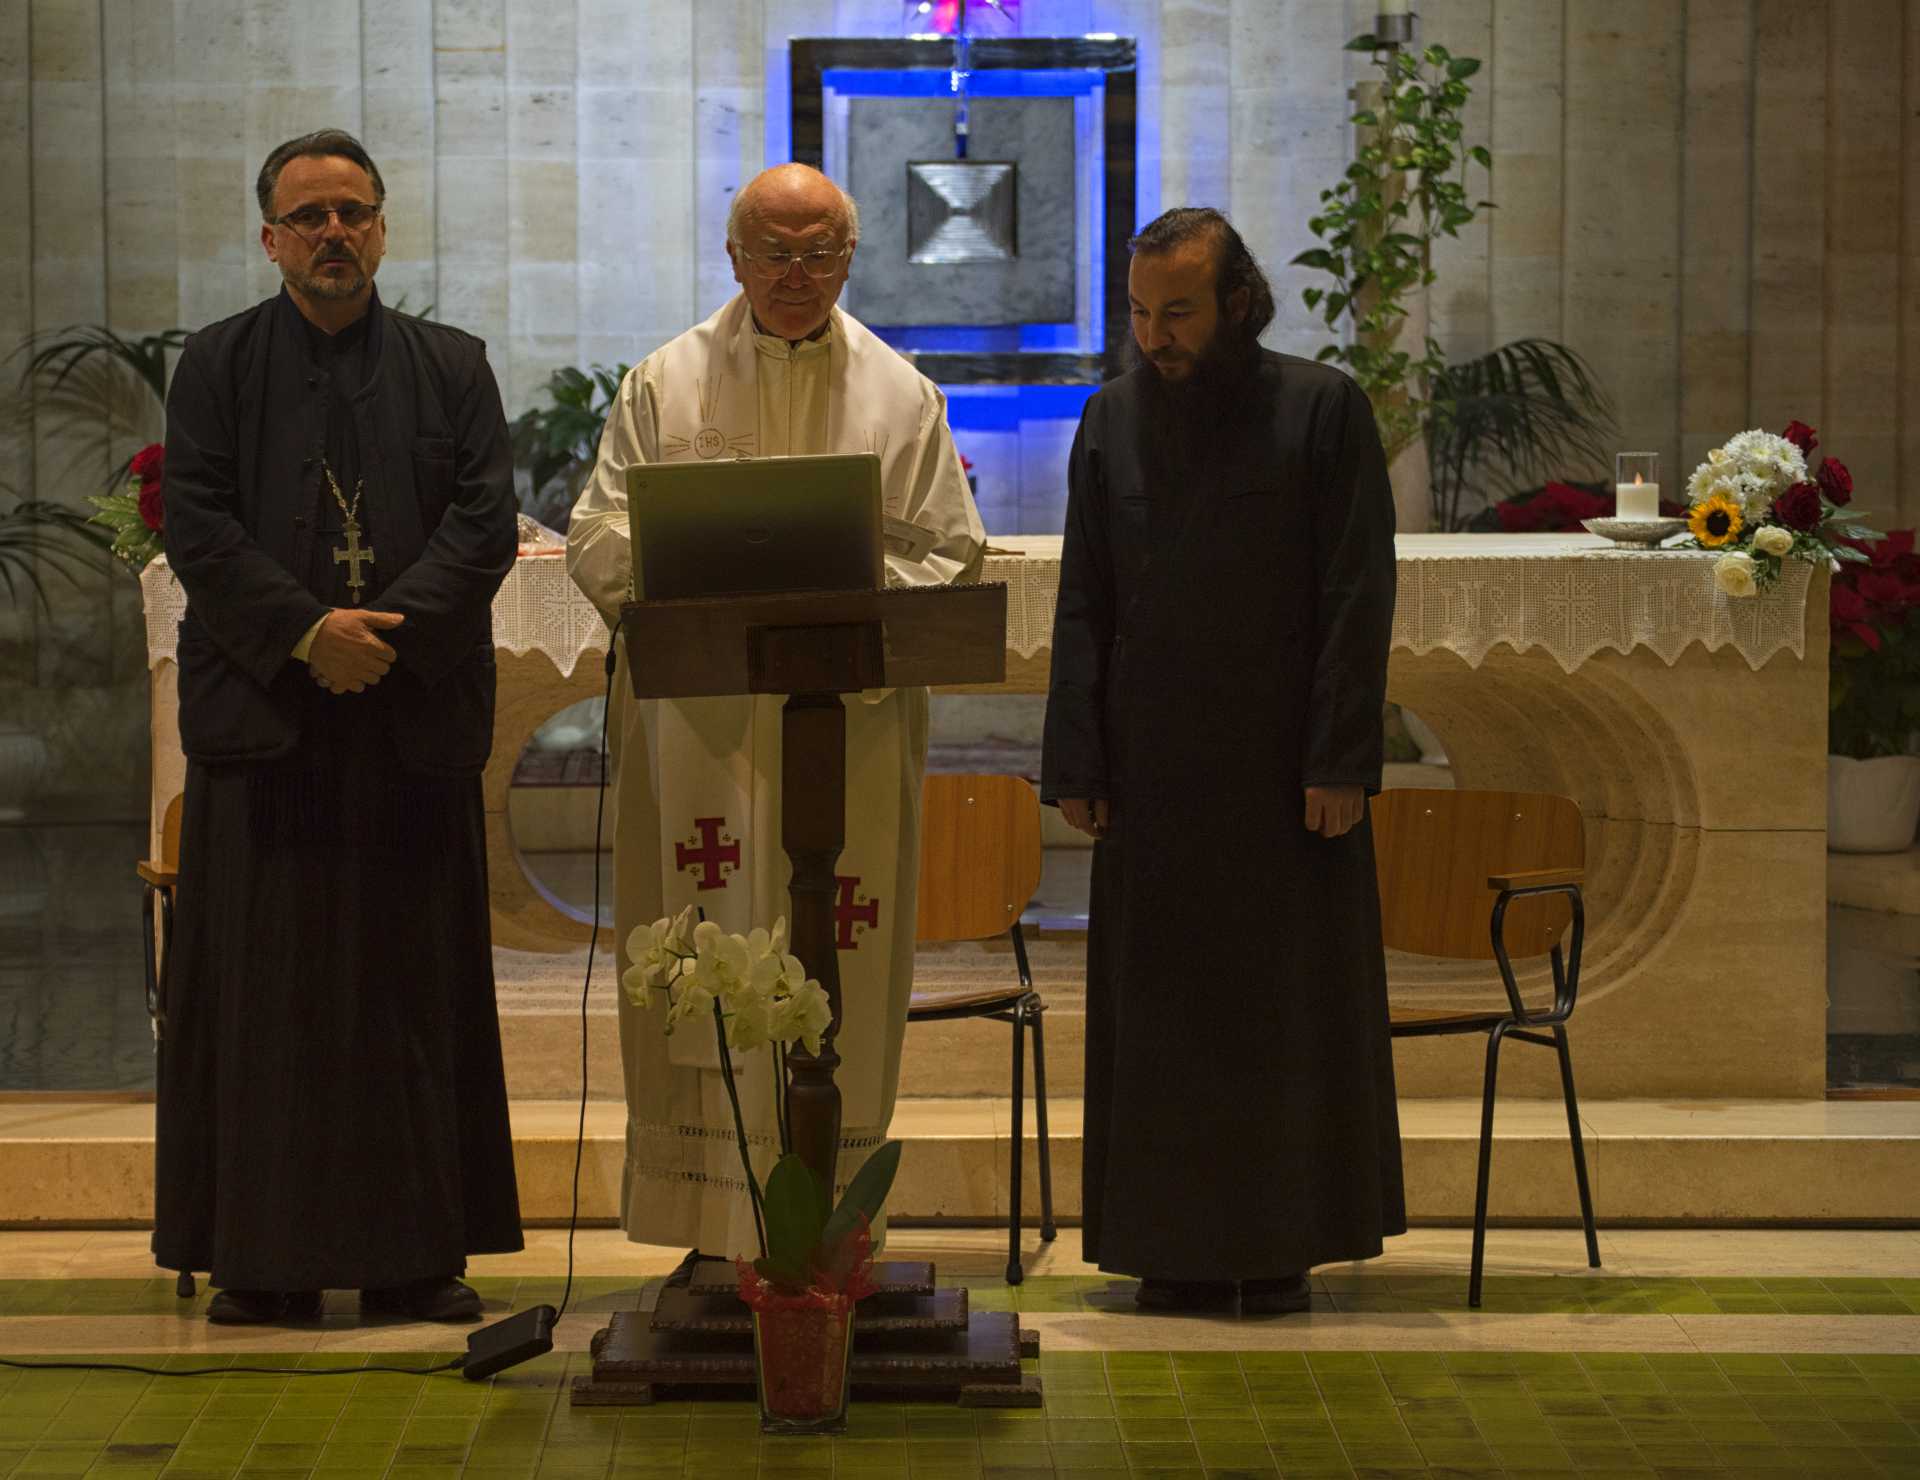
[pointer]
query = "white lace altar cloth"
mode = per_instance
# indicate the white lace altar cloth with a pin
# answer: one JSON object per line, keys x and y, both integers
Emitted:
{"x": 1571, "y": 596}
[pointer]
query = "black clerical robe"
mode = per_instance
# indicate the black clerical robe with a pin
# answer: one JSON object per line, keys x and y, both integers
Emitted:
{"x": 1220, "y": 643}
{"x": 332, "y": 1110}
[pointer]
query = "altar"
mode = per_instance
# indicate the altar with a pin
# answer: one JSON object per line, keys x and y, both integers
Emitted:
{"x": 1690, "y": 726}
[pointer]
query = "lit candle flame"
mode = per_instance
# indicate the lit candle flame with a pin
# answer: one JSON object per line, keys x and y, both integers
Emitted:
{"x": 1638, "y": 480}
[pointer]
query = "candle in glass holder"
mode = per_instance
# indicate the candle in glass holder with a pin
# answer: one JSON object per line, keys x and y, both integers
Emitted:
{"x": 1636, "y": 485}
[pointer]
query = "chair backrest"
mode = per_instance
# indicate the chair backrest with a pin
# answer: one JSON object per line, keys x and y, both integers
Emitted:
{"x": 979, "y": 855}
{"x": 1433, "y": 852}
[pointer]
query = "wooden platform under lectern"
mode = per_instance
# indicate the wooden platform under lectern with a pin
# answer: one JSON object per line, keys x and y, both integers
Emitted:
{"x": 815, "y": 647}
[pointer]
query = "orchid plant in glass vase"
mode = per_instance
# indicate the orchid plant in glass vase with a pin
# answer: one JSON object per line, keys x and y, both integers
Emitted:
{"x": 815, "y": 1260}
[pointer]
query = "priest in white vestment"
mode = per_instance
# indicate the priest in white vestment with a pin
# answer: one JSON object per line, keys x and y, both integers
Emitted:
{"x": 779, "y": 371}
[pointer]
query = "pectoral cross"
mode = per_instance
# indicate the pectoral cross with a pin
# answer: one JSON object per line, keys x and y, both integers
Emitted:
{"x": 353, "y": 557}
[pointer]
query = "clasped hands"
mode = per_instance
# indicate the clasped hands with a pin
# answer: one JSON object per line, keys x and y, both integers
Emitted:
{"x": 347, "y": 655}
{"x": 1331, "y": 811}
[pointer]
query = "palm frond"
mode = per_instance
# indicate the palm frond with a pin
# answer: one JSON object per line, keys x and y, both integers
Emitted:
{"x": 53, "y": 354}
{"x": 1521, "y": 413}
{"x": 36, "y": 537}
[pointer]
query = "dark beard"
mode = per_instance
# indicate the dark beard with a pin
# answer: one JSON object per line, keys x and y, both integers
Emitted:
{"x": 1194, "y": 411}
{"x": 315, "y": 286}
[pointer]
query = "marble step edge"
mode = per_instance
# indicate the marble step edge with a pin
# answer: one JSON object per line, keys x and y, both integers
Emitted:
{"x": 1701, "y": 1164}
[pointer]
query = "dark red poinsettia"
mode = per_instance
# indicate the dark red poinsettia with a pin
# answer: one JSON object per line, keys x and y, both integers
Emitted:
{"x": 1802, "y": 436}
{"x": 1870, "y": 599}
{"x": 1556, "y": 509}
{"x": 148, "y": 469}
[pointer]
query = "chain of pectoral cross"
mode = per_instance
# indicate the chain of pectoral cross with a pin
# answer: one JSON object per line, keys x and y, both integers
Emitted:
{"x": 355, "y": 554}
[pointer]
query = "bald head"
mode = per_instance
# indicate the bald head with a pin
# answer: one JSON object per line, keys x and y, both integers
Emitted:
{"x": 790, "y": 235}
{"x": 792, "y": 195}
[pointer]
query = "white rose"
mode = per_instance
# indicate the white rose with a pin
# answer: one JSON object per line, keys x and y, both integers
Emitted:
{"x": 1773, "y": 540}
{"x": 1734, "y": 574}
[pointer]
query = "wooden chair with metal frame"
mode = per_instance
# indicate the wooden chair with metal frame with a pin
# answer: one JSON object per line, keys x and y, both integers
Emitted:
{"x": 979, "y": 867}
{"x": 1448, "y": 861}
{"x": 159, "y": 877}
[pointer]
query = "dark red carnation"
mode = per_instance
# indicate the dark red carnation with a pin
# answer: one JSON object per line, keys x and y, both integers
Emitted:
{"x": 1835, "y": 481}
{"x": 1802, "y": 436}
{"x": 148, "y": 462}
{"x": 151, "y": 509}
{"x": 1798, "y": 507}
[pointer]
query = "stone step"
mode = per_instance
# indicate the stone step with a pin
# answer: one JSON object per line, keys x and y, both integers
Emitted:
{"x": 1692, "y": 1162}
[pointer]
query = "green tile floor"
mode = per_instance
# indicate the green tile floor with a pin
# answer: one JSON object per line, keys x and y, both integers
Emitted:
{"x": 1107, "y": 1414}
{"x": 1405, "y": 1294}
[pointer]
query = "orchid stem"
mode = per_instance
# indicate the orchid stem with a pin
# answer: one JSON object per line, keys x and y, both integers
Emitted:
{"x": 777, "y": 1054}
{"x": 739, "y": 1125}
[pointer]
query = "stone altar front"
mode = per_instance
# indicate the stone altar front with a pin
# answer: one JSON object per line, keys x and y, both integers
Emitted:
{"x": 1689, "y": 726}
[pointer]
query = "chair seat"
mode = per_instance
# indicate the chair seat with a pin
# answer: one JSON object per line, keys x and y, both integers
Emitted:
{"x": 970, "y": 1000}
{"x": 158, "y": 875}
{"x": 1405, "y": 1019}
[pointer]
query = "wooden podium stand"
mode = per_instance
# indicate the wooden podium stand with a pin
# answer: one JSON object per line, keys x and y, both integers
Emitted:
{"x": 815, "y": 647}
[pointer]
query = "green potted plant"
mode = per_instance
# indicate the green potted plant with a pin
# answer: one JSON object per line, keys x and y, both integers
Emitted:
{"x": 1513, "y": 415}
{"x": 815, "y": 1261}
{"x": 556, "y": 444}
{"x": 1873, "y": 778}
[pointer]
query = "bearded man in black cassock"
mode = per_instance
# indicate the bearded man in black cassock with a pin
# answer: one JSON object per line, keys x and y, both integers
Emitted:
{"x": 1214, "y": 722}
{"x": 340, "y": 508}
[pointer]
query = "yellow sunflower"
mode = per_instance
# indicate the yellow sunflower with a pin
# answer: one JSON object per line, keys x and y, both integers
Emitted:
{"x": 1716, "y": 521}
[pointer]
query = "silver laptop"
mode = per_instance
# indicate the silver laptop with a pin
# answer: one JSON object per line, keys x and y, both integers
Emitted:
{"x": 729, "y": 528}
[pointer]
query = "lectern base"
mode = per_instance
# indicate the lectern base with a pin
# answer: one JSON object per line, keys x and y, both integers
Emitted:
{"x": 911, "y": 1340}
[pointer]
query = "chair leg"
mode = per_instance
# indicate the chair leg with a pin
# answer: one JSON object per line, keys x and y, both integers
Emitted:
{"x": 1014, "y": 1273}
{"x": 1035, "y": 1018}
{"x": 1486, "y": 1166}
{"x": 151, "y": 957}
{"x": 1579, "y": 1147}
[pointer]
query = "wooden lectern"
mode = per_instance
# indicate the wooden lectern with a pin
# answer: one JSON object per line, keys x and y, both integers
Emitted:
{"x": 815, "y": 646}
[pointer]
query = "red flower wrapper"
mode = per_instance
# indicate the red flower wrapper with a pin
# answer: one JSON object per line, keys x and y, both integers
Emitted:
{"x": 1835, "y": 481}
{"x": 1802, "y": 436}
{"x": 149, "y": 463}
{"x": 1798, "y": 507}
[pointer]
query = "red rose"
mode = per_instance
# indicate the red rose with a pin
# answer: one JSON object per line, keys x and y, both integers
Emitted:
{"x": 1798, "y": 507}
{"x": 151, "y": 509}
{"x": 1835, "y": 481}
{"x": 1802, "y": 436}
{"x": 148, "y": 462}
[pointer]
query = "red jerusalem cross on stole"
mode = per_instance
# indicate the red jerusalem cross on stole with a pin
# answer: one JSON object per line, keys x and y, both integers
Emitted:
{"x": 847, "y": 914}
{"x": 713, "y": 853}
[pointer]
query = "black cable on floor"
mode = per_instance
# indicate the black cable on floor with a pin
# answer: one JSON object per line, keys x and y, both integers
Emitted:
{"x": 586, "y": 990}
{"x": 454, "y": 1365}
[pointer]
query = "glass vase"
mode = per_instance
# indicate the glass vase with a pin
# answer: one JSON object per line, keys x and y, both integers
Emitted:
{"x": 800, "y": 1365}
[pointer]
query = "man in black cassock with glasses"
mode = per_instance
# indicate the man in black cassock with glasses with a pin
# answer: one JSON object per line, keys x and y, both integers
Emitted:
{"x": 340, "y": 509}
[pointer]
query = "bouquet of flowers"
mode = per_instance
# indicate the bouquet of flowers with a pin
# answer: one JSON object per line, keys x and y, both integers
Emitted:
{"x": 136, "y": 514}
{"x": 760, "y": 996}
{"x": 1761, "y": 500}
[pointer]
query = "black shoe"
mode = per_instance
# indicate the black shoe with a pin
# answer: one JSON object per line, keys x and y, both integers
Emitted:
{"x": 443, "y": 1299}
{"x": 1284, "y": 1296}
{"x": 683, "y": 1272}
{"x": 247, "y": 1307}
{"x": 1184, "y": 1294}
{"x": 304, "y": 1305}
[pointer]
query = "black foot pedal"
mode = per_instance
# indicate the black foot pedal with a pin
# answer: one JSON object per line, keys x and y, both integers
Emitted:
{"x": 519, "y": 1338}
